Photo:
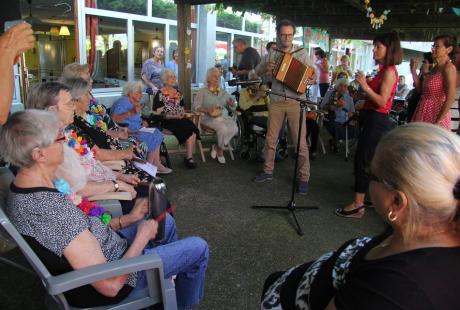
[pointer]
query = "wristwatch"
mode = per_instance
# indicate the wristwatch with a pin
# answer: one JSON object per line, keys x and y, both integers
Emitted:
{"x": 116, "y": 185}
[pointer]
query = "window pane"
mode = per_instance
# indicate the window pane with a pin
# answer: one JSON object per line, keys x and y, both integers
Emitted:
{"x": 223, "y": 46}
{"x": 106, "y": 48}
{"x": 132, "y": 6}
{"x": 55, "y": 34}
{"x": 229, "y": 20}
{"x": 146, "y": 37}
{"x": 164, "y": 9}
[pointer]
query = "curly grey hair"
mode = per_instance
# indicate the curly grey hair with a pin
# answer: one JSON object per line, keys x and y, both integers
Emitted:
{"x": 132, "y": 87}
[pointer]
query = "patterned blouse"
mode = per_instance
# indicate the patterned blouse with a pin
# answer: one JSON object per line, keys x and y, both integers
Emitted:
{"x": 44, "y": 214}
{"x": 101, "y": 119}
{"x": 172, "y": 103}
{"x": 96, "y": 136}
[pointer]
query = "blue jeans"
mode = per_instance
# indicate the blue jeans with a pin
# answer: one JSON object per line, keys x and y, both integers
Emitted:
{"x": 187, "y": 258}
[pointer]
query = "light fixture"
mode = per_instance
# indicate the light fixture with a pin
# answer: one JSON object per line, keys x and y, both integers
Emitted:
{"x": 54, "y": 31}
{"x": 64, "y": 31}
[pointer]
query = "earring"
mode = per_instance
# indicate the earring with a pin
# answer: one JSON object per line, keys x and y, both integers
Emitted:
{"x": 392, "y": 216}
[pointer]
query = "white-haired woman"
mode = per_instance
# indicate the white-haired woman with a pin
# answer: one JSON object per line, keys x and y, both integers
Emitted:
{"x": 215, "y": 103}
{"x": 415, "y": 263}
{"x": 126, "y": 110}
{"x": 151, "y": 71}
{"x": 66, "y": 236}
{"x": 340, "y": 107}
{"x": 169, "y": 102}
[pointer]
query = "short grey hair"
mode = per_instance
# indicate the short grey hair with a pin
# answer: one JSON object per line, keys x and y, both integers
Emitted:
{"x": 44, "y": 95}
{"x": 422, "y": 161}
{"x": 132, "y": 87}
{"x": 24, "y": 131}
{"x": 74, "y": 70}
{"x": 211, "y": 71}
{"x": 165, "y": 73}
{"x": 78, "y": 86}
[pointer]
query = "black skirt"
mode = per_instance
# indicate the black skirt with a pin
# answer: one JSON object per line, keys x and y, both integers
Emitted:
{"x": 182, "y": 128}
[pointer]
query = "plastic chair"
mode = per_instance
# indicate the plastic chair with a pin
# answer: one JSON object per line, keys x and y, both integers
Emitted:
{"x": 158, "y": 291}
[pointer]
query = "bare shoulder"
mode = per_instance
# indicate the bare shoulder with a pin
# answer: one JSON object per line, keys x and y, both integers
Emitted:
{"x": 450, "y": 69}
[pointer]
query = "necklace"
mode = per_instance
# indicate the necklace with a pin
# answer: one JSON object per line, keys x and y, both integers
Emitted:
{"x": 86, "y": 206}
{"x": 78, "y": 144}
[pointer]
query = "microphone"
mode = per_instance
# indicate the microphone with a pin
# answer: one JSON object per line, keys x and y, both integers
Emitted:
{"x": 236, "y": 82}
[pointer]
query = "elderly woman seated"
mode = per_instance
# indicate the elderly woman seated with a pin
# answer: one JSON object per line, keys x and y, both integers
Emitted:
{"x": 86, "y": 175}
{"x": 40, "y": 209}
{"x": 169, "y": 103}
{"x": 215, "y": 103}
{"x": 415, "y": 263}
{"x": 126, "y": 110}
{"x": 340, "y": 107}
{"x": 98, "y": 112}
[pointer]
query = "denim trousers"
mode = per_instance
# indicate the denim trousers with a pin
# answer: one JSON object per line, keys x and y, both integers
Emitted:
{"x": 186, "y": 258}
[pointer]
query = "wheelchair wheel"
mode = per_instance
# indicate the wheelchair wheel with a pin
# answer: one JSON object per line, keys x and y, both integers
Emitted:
{"x": 237, "y": 140}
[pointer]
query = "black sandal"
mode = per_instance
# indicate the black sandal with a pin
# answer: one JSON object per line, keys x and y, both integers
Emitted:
{"x": 190, "y": 163}
{"x": 356, "y": 213}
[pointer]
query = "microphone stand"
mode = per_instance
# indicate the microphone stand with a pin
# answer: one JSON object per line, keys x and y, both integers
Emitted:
{"x": 291, "y": 206}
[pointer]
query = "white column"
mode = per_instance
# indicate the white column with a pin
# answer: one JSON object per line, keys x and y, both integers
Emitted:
{"x": 206, "y": 53}
{"x": 130, "y": 62}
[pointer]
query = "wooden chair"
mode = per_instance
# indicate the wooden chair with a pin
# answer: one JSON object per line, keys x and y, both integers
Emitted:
{"x": 209, "y": 132}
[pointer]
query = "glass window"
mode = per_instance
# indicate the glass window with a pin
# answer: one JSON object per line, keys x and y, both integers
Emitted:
{"x": 106, "y": 49}
{"x": 164, "y": 9}
{"x": 146, "y": 37}
{"x": 229, "y": 20}
{"x": 133, "y": 6}
{"x": 223, "y": 46}
{"x": 55, "y": 40}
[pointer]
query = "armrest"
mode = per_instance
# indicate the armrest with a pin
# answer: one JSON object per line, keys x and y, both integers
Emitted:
{"x": 70, "y": 280}
{"x": 116, "y": 165}
{"x": 111, "y": 196}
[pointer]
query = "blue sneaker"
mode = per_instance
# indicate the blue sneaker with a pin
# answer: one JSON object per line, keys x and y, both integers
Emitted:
{"x": 262, "y": 177}
{"x": 302, "y": 189}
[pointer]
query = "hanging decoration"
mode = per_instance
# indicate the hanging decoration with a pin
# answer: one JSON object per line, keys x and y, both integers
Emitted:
{"x": 376, "y": 21}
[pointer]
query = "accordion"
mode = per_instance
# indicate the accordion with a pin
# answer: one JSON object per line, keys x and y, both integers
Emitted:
{"x": 293, "y": 73}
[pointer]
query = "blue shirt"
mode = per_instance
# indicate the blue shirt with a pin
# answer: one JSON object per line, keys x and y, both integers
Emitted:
{"x": 173, "y": 66}
{"x": 123, "y": 105}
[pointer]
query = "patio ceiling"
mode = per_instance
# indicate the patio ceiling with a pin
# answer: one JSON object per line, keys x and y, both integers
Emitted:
{"x": 415, "y": 20}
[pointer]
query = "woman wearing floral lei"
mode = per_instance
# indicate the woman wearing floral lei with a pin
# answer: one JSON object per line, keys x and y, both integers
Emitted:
{"x": 67, "y": 237}
{"x": 100, "y": 118}
{"x": 86, "y": 175}
{"x": 215, "y": 103}
{"x": 169, "y": 102}
{"x": 105, "y": 147}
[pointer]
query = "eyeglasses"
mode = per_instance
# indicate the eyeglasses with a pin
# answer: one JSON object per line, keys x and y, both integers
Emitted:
{"x": 435, "y": 46}
{"x": 286, "y": 35}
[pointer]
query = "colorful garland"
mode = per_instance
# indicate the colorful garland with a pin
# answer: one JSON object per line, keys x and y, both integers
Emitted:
{"x": 376, "y": 22}
{"x": 79, "y": 144}
{"x": 95, "y": 122}
{"x": 171, "y": 96}
{"x": 88, "y": 207}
